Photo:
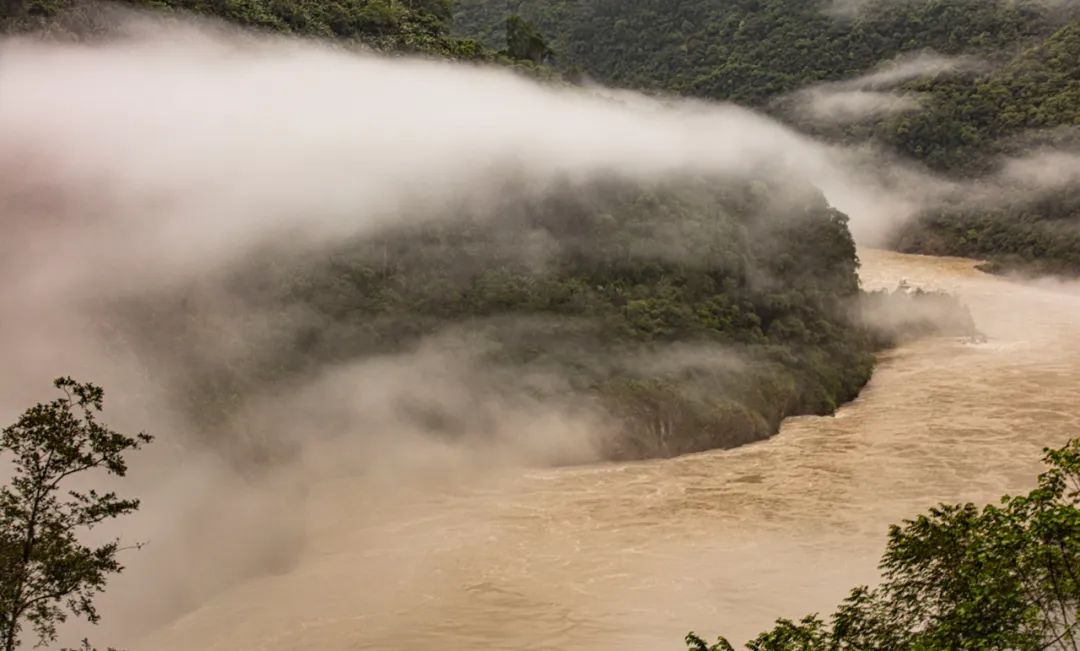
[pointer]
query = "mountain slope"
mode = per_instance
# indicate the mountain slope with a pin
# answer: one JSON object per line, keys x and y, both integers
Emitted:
{"x": 747, "y": 51}
{"x": 1032, "y": 103}
{"x": 967, "y": 121}
{"x": 413, "y": 26}
{"x": 688, "y": 313}
{"x": 691, "y": 314}
{"x": 1023, "y": 93}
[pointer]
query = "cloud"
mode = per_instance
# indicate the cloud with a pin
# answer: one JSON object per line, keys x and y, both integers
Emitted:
{"x": 1043, "y": 169}
{"x": 164, "y": 158}
{"x": 845, "y": 106}
{"x": 872, "y": 96}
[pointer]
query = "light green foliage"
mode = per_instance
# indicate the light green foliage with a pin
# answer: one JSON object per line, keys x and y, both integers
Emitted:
{"x": 1004, "y": 577}
{"x": 46, "y": 572}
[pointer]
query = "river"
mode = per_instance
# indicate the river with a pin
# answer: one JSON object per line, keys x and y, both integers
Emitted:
{"x": 633, "y": 556}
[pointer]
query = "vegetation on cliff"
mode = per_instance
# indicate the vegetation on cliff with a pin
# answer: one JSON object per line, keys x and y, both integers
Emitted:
{"x": 1031, "y": 103}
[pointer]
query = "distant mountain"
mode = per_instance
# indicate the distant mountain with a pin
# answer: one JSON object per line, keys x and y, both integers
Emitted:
{"x": 1024, "y": 92}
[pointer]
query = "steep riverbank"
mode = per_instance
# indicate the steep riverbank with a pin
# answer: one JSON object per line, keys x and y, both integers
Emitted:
{"x": 632, "y": 556}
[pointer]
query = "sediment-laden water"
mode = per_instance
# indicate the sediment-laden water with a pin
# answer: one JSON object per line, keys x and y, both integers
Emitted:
{"x": 633, "y": 556}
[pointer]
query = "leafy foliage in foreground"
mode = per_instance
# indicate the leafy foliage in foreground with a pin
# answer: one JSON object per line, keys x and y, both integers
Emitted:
{"x": 1005, "y": 577}
{"x": 47, "y": 573}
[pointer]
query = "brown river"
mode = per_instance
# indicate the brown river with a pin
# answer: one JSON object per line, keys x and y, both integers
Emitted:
{"x": 633, "y": 556}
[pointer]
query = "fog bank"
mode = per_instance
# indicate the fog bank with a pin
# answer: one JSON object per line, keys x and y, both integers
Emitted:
{"x": 166, "y": 157}
{"x": 873, "y": 95}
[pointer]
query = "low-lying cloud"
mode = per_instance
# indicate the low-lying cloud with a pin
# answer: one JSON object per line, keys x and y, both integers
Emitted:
{"x": 165, "y": 157}
{"x": 873, "y": 95}
{"x": 1045, "y": 169}
{"x": 844, "y": 106}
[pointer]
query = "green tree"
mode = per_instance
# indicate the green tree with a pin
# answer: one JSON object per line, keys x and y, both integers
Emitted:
{"x": 1003, "y": 577}
{"x": 47, "y": 573}
{"x": 524, "y": 42}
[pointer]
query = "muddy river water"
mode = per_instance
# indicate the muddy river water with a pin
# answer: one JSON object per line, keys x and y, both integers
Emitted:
{"x": 633, "y": 556}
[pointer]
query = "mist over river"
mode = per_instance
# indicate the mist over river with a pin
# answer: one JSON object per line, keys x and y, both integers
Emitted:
{"x": 633, "y": 556}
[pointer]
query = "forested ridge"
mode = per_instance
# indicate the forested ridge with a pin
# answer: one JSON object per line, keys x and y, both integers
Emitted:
{"x": 1027, "y": 101}
{"x": 590, "y": 282}
{"x": 1024, "y": 94}
{"x": 748, "y": 51}
{"x": 692, "y": 312}
{"x": 695, "y": 311}
{"x": 1032, "y": 103}
{"x": 408, "y": 26}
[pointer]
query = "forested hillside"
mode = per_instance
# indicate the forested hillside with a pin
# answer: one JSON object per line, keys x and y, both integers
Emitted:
{"x": 1032, "y": 103}
{"x": 747, "y": 51}
{"x": 694, "y": 313}
{"x": 1024, "y": 102}
{"x": 1021, "y": 90}
{"x": 407, "y": 26}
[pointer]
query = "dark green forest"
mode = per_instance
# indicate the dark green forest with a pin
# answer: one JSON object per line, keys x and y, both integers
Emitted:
{"x": 586, "y": 283}
{"x": 747, "y": 291}
{"x": 1029, "y": 236}
{"x": 407, "y": 26}
{"x": 755, "y": 52}
{"x": 747, "y": 51}
{"x": 624, "y": 271}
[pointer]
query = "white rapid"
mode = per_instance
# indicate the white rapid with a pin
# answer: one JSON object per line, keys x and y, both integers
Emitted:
{"x": 633, "y": 556}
